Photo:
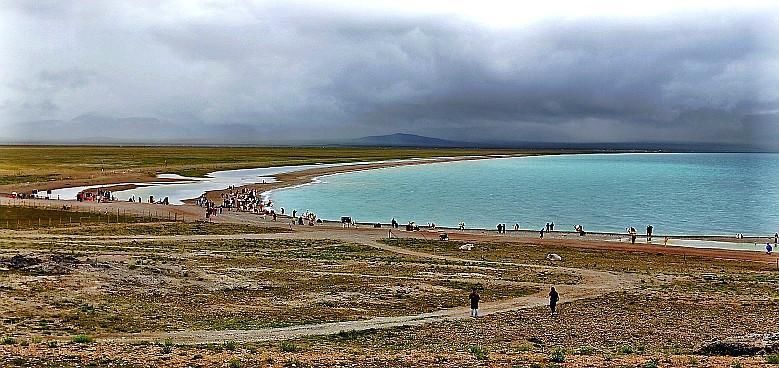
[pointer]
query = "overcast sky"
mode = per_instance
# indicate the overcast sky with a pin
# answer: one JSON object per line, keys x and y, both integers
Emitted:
{"x": 265, "y": 72}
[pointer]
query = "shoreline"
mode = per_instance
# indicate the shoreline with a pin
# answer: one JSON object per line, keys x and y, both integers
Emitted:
{"x": 309, "y": 176}
{"x": 593, "y": 240}
{"x": 132, "y": 181}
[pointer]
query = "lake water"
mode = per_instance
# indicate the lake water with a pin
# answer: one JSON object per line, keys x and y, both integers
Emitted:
{"x": 698, "y": 193}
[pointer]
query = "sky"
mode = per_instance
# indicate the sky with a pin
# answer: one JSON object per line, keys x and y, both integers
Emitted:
{"x": 276, "y": 72}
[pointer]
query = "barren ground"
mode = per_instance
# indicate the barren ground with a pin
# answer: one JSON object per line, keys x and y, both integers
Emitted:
{"x": 250, "y": 292}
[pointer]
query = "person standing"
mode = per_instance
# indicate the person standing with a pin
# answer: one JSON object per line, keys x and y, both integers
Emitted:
{"x": 776, "y": 238}
{"x": 542, "y": 233}
{"x": 516, "y": 227}
{"x": 649, "y": 229}
{"x": 551, "y": 226}
{"x": 474, "y": 298}
{"x": 554, "y": 297}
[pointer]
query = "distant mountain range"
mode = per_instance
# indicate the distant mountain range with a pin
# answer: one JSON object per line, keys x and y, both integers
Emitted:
{"x": 406, "y": 140}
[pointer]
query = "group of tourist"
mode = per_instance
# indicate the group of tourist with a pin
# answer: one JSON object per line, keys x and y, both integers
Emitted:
{"x": 633, "y": 233}
{"x": 502, "y": 228}
{"x": 164, "y": 201}
{"x": 98, "y": 196}
{"x": 244, "y": 200}
{"x": 770, "y": 248}
{"x": 307, "y": 217}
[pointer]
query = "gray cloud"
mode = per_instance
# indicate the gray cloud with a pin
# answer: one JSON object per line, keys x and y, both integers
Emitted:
{"x": 269, "y": 72}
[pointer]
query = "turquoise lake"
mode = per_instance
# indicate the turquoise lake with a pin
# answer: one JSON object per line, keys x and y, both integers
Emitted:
{"x": 696, "y": 193}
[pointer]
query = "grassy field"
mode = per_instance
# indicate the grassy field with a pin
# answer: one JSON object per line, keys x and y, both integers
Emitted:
{"x": 20, "y": 218}
{"x": 20, "y": 164}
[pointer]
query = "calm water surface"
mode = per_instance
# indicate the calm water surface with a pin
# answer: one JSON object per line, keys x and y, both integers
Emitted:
{"x": 677, "y": 193}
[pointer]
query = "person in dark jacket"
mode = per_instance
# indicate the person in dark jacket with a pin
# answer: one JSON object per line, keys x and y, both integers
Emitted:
{"x": 474, "y": 297}
{"x": 554, "y": 297}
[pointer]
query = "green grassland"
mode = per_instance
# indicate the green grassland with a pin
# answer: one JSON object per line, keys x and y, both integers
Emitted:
{"x": 19, "y": 164}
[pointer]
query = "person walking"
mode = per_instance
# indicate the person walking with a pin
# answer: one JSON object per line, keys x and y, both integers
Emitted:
{"x": 542, "y": 233}
{"x": 554, "y": 297}
{"x": 474, "y": 298}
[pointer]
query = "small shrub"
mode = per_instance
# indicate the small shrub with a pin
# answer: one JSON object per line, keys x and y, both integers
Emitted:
{"x": 167, "y": 346}
{"x": 772, "y": 359}
{"x": 229, "y": 345}
{"x": 626, "y": 349}
{"x": 736, "y": 364}
{"x": 83, "y": 339}
{"x": 585, "y": 350}
{"x": 52, "y": 344}
{"x": 9, "y": 341}
{"x": 479, "y": 352}
{"x": 289, "y": 347}
{"x": 234, "y": 363}
{"x": 353, "y": 334}
{"x": 558, "y": 356}
{"x": 651, "y": 363}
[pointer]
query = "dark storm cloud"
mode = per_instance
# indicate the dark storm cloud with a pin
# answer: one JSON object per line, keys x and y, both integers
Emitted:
{"x": 263, "y": 72}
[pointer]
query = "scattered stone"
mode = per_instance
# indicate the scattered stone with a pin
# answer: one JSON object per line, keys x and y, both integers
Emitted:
{"x": 709, "y": 276}
{"x": 553, "y": 257}
{"x": 467, "y": 247}
{"x": 753, "y": 344}
{"x": 54, "y": 264}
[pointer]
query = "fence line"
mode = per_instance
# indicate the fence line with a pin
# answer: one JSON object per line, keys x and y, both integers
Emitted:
{"x": 103, "y": 215}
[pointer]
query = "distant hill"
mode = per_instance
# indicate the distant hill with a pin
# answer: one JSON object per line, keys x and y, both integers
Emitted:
{"x": 406, "y": 140}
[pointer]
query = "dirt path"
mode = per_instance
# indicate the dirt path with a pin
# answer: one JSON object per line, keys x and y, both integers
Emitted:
{"x": 594, "y": 283}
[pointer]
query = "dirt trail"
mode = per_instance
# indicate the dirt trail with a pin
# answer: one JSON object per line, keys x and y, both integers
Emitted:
{"x": 594, "y": 283}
